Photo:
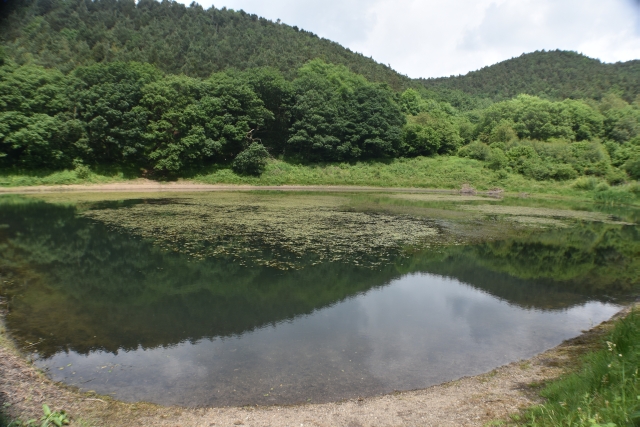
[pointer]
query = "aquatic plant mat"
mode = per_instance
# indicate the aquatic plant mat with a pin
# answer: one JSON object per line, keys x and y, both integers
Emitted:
{"x": 269, "y": 230}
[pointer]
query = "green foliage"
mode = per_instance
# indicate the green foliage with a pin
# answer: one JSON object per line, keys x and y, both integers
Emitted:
{"x": 34, "y": 129}
{"x": 632, "y": 165}
{"x": 604, "y": 392}
{"x": 96, "y": 107}
{"x": 251, "y": 161}
{"x": 191, "y": 121}
{"x": 107, "y": 100}
{"x": 339, "y": 115}
{"x": 53, "y": 418}
{"x": 556, "y": 159}
{"x": 49, "y": 419}
{"x": 427, "y": 134}
{"x": 177, "y": 39}
{"x": 619, "y": 195}
{"x": 411, "y": 102}
{"x": 622, "y": 120}
{"x": 476, "y": 150}
{"x": 585, "y": 183}
{"x": 530, "y": 117}
{"x": 497, "y": 159}
{"x": 277, "y": 95}
{"x": 552, "y": 74}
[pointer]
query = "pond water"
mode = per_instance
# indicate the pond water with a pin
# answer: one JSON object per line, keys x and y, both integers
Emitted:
{"x": 143, "y": 301}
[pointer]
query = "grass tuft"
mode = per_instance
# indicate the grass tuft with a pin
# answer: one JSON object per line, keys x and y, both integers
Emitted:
{"x": 605, "y": 392}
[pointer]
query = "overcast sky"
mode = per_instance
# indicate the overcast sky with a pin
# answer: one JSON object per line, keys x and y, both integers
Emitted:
{"x": 433, "y": 38}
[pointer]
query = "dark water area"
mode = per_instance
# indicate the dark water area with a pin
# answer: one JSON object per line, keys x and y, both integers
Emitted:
{"x": 117, "y": 314}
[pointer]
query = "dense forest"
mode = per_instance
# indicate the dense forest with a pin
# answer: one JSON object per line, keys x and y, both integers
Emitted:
{"x": 162, "y": 88}
{"x": 175, "y": 38}
{"x": 554, "y": 75}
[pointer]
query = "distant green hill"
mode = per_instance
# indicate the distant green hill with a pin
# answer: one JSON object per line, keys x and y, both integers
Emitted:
{"x": 554, "y": 74}
{"x": 190, "y": 40}
{"x": 177, "y": 39}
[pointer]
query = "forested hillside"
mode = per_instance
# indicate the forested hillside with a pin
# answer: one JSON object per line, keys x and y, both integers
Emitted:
{"x": 162, "y": 89}
{"x": 177, "y": 39}
{"x": 555, "y": 75}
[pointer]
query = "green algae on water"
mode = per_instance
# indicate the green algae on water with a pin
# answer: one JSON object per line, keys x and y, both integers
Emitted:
{"x": 269, "y": 230}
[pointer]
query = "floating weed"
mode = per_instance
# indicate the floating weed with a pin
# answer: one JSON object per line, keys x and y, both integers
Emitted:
{"x": 529, "y": 212}
{"x": 271, "y": 231}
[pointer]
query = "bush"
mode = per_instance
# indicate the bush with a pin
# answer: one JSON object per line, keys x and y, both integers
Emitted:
{"x": 427, "y": 134}
{"x": 420, "y": 140}
{"x": 563, "y": 172}
{"x": 497, "y": 159}
{"x": 616, "y": 176}
{"x": 476, "y": 150}
{"x": 534, "y": 168}
{"x": 585, "y": 183}
{"x": 503, "y": 133}
{"x": 632, "y": 166}
{"x": 251, "y": 161}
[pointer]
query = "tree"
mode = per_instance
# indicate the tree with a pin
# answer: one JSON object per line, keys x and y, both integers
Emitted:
{"x": 251, "y": 161}
{"x": 426, "y": 134}
{"x": 107, "y": 99}
{"x": 339, "y": 115}
{"x": 192, "y": 121}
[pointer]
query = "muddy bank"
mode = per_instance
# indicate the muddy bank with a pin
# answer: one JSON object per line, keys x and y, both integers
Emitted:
{"x": 470, "y": 401}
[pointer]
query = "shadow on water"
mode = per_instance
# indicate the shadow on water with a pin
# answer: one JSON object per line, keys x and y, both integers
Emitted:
{"x": 76, "y": 288}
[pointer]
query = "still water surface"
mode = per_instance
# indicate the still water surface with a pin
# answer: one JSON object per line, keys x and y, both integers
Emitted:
{"x": 114, "y": 313}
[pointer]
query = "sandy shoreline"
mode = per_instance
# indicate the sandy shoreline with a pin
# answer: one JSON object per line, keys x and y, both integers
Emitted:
{"x": 469, "y": 401}
{"x": 144, "y": 185}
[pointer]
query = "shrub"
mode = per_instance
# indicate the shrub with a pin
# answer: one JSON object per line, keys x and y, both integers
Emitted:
{"x": 502, "y": 174}
{"x": 476, "y": 150}
{"x": 632, "y": 166}
{"x": 427, "y": 134}
{"x": 585, "y": 183}
{"x": 420, "y": 140}
{"x": 534, "y": 168}
{"x": 251, "y": 161}
{"x": 563, "y": 172}
{"x": 503, "y": 133}
{"x": 616, "y": 176}
{"x": 497, "y": 159}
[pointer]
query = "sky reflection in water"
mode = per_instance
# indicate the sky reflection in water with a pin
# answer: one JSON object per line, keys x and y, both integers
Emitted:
{"x": 419, "y": 330}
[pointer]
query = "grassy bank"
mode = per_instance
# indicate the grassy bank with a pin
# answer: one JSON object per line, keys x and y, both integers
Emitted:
{"x": 422, "y": 172}
{"x": 605, "y": 392}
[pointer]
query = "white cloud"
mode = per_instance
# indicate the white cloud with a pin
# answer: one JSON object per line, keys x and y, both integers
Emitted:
{"x": 431, "y": 38}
